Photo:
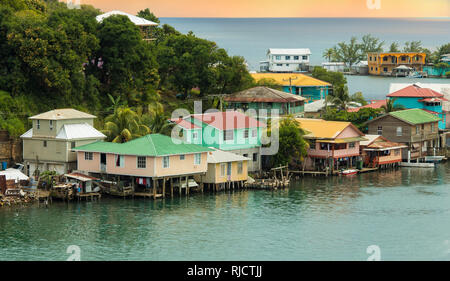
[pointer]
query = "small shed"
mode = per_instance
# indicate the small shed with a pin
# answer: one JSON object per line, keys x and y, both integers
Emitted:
{"x": 85, "y": 182}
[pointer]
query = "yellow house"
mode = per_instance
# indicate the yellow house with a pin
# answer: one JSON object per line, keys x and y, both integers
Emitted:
{"x": 225, "y": 170}
{"x": 389, "y": 63}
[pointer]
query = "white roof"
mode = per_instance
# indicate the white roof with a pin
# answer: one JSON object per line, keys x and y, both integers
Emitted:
{"x": 403, "y": 67}
{"x": 219, "y": 156}
{"x": 134, "y": 19}
{"x": 304, "y": 51}
{"x": 63, "y": 113}
{"x": 13, "y": 174}
{"x": 315, "y": 106}
{"x": 72, "y": 132}
{"x": 333, "y": 63}
{"x": 370, "y": 138}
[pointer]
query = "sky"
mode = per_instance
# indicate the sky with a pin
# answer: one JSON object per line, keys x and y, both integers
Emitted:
{"x": 279, "y": 8}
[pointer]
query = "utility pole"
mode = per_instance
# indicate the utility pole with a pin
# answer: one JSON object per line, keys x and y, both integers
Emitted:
{"x": 290, "y": 82}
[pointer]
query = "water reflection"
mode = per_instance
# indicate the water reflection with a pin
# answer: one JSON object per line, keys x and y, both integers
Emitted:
{"x": 316, "y": 218}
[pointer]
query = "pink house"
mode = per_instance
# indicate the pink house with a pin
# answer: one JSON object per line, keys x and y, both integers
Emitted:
{"x": 333, "y": 145}
{"x": 152, "y": 161}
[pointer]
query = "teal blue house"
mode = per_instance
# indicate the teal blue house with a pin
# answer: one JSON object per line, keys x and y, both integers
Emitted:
{"x": 414, "y": 96}
{"x": 230, "y": 131}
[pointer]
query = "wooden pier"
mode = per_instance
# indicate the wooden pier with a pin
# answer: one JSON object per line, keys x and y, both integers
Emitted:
{"x": 93, "y": 196}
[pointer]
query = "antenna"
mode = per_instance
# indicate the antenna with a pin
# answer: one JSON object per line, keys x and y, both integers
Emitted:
{"x": 290, "y": 82}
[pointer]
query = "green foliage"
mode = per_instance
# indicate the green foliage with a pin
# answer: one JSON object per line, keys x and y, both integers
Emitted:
{"x": 391, "y": 106}
{"x": 359, "y": 119}
{"x": 124, "y": 125}
{"x": 335, "y": 78}
{"x": 146, "y": 14}
{"x": 359, "y": 98}
{"x": 394, "y": 48}
{"x": 292, "y": 146}
{"x": 447, "y": 74}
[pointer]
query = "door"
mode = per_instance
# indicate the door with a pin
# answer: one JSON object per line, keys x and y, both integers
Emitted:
{"x": 103, "y": 162}
{"x": 229, "y": 171}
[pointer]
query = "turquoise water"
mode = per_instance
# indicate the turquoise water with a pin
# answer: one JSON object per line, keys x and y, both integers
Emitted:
{"x": 405, "y": 212}
{"x": 251, "y": 37}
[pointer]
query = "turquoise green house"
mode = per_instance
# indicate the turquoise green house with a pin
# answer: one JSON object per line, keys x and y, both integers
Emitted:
{"x": 231, "y": 131}
{"x": 269, "y": 99}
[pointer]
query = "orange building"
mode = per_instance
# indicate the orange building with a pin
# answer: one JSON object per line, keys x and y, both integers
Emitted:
{"x": 391, "y": 63}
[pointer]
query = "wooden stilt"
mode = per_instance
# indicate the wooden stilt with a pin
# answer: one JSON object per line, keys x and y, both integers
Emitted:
{"x": 187, "y": 185}
{"x": 171, "y": 187}
{"x": 164, "y": 188}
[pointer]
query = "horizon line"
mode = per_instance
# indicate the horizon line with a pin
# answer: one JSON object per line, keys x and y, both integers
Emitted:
{"x": 318, "y": 17}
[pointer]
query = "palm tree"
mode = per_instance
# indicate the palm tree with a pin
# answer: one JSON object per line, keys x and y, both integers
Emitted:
{"x": 124, "y": 125}
{"x": 328, "y": 54}
{"x": 391, "y": 106}
{"x": 340, "y": 98}
{"x": 156, "y": 119}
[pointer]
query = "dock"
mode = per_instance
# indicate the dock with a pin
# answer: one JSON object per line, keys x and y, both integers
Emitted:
{"x": 93, "y": 196}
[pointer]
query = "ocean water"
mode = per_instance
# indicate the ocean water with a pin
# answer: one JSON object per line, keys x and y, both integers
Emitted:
{"x": 251, "y": 37}
{"x": 405, "y": 213}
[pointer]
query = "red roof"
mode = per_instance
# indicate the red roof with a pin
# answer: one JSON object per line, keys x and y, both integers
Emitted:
{"x": 433, "y": 99}
{"x": 185, "y": 123}
{"x": 374, "y": 104}
{"x": 229, "y": 120}
{"x": 416, "y": 91}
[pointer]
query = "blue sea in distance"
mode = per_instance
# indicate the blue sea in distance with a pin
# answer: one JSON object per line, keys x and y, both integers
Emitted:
{"x": 251, "y": 37}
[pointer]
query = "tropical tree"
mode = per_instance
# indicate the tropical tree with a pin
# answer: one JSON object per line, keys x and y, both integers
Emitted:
{"x": 329, "y": 54}
{"x": 156, "y": 119}
{"x": 391, "y": 106}
{"x": 370, "y": 44}
{"x": 124, "y": 125}
{"x": 394, "y": 48}
{"x": 413, "y": 47}
{"x": 340, "y": 98}
{"x": 349, "y": 52}
{"x": 359, "y": 98}
{"x": 292, "y": 146}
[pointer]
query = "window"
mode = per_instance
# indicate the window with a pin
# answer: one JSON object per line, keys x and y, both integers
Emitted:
{"x": 296, "y": 57}
{"x": 312, "y": 144}
{"x": 385, "y": 58}
{"x": 72, "y": 145}
{"x": 432, "y": 127}
{"x": 239, "y": 168}
{"x": 228, "y": 135}
{"x": 182, "y": 157}
{"x": 88, "y": 156}
{"x": 254, "y": 133}
{"x": 38, "y": 124}
{"x": 45, "y": 143}
{"x": 142, "y": 162}
{"x": 166, "y": 162}
{"x": 351, "y": 145}
{"x": 304, "y": 57}
{"x": 197, "y": 158}
{"x": 380, "y": 130}
{"x": 245, "y": 155}
{"x": 385, "y": 69}
{"x": 194, "y": 135}
{"x": 120, "y": 161}
{"x": 287, "y": 64}
{"x": 246, "y": 134}
{"x": 417, "y": 130}
{"x": 278, "y": 57}
{"x": 370, "y": 58}
{"x": 279, "y": 64}
{"x": 288, "y": 57}
{"x": 51, "y": 125}
{"x": 223, "y": 169}
{"x": 255, "y": 157}
{"x": 399, "y": 131}
{"x": 397, "y": 152}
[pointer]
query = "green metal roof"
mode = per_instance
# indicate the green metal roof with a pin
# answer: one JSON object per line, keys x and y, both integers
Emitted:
{"x": 149, "y": 145}
{"x": 415, "y": 116}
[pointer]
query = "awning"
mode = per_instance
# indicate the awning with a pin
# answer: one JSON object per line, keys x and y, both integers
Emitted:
{"x": 80, "y": 177}
{"x": 14, "y": 174}
{"x": 344, "y": 140}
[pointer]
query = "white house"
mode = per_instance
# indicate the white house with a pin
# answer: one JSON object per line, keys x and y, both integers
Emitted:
{"x": 286, "y": 60}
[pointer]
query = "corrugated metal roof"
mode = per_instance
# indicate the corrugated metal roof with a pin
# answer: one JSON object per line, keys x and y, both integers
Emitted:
{"x": 322, "y": 129}
{"x": 64, "y": 113}
{"x": 263, "y": 94}
{"x": 297, "y": 79}
{"x": 149, "y": 145}
{"x": 415, "y": 116}
{"x": 415, "y": 91}
{"x": 315, "y": 106}
{"x": 220, "y": 156}
{"x": 185, "y": 123}
{"x": 134, "y": 19}
{"x": 228, "y": 120}
{"x": 79, "y": 131}
{"x": 298, "y": 51}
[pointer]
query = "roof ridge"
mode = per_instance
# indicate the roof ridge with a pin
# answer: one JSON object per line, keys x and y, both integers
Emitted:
{"x": 273, "y": 91}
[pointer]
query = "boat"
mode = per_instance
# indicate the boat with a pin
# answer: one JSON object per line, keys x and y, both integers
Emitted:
{"x": 349, "y": 172}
